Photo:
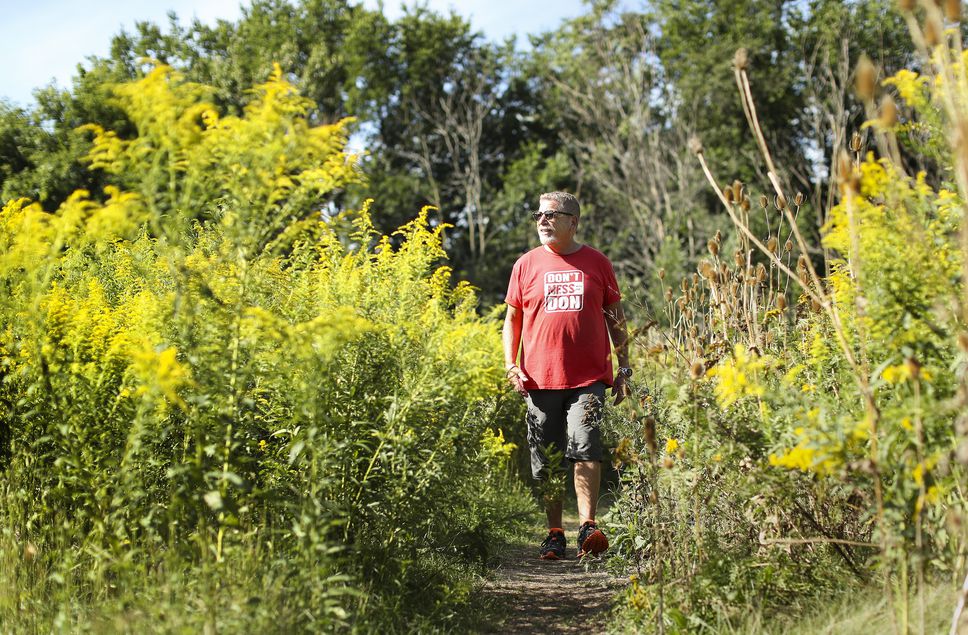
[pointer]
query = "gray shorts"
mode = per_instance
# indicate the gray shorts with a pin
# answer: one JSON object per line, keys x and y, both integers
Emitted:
{"x": 569, "y": 420}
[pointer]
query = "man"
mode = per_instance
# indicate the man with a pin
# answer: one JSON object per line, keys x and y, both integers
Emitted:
{"x": 563, "y": 306}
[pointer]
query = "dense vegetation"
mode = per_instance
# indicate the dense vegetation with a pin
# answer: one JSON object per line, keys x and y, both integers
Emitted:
{"x": 243, "y": 389}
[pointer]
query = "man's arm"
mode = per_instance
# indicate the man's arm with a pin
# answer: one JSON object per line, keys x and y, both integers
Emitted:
{"x": 511, "y": 338}
{"x": 615, "y": 320}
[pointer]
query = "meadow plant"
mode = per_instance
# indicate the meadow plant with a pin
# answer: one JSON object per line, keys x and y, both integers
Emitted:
{"x": 804, "y": 426}
{"x": 227, "y": 406}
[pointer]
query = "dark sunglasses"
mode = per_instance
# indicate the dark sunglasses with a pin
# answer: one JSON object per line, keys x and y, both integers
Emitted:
{"x": 553, "y": 214}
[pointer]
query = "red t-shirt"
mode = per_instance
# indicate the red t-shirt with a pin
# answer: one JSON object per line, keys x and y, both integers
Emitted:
{"x": 564, "y": 336}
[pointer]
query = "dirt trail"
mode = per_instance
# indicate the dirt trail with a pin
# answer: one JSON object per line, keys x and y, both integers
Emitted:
{"x": 529, "y": 595}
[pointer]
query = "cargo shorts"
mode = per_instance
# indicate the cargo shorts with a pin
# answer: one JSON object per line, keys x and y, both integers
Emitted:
{"x": 568, "y": 420}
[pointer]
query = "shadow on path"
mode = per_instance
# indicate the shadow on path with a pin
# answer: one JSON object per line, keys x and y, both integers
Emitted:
{"x": 528, "y": 595}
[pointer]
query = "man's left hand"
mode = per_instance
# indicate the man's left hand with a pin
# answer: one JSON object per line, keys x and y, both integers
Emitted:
{"x": 620, "y": 389}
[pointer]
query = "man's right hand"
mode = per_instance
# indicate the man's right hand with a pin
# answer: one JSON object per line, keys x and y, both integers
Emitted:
{"x": 517, "y": 378}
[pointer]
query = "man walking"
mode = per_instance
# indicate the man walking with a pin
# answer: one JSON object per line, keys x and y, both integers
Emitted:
{"x": 563, "y": 306}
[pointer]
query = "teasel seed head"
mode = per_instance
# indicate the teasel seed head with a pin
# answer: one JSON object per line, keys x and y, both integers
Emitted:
{"x": 684, "y": 285}
{"x": 697, "y": 369}
{"x": 865, "y": 80}
{"x": 737, "y": 191}
{"x": 779, "y": 202}
{"x": 764, "y": 202}
{"x": 771, "y": 245}
{"x": 952, "y": 10}
{"x": 694, "y": 145}
{"x": 745, "y": 204}
{"x": 741, "y": 59}
{"x": 802, "y": 262}
{"x": 695, "y": 279}
{"x": 668, "y": 294}
{"x": 661, "y": 274}
{"x": 738, "y": 258}
{"x": 781, "y": 302}
{"x": 713, "y": 246}
{"x": 798, "y": 199}
{"x": 693, "y": 331}
{"x": 728, "y": 195}
{"x": 681, "y": 302}
{"x": 888, "y": 111}
{"x": 705, "y": 269}
{"x": 932, "y": 30}
{"x": 719, "y": 236}
{"x": 761, "y": 273}
{"x": 855, "y": 142}
{"x": 648, "y": 429}
{"x": 847, "y": 176}
{"x": 788, "y": 245}
{"x": 914, "y": 367}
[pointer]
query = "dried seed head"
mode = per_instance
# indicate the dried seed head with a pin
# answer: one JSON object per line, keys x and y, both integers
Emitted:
{"x": 771, "y": 245}
{"x": 781, "y": 302}
{"x": 713, "y": 246}
{"x": 764, "y": 202}
{"x": 668, "y": 462}
{"x": 952, "y": 10}
{"x": 802, "y": 262}
{"x": 855, "y": 142}
{"x": 738, "y": 259}
{"x": 719, "y": 236}
{"x": 888, "y": 111}
{"x": 963, "y": 341}
{"x": 788, "y": 245}
{"x": 745, "y": 204}
{"x": 693, "y": 331}
{"x": 684, "y": 285}
{"x": 697, "y": 369}
{"x": 695, "y": 280}
{"x": 728, "y": 194}
{"x": 706, "y": 269}
{"x": 866, "y": 78}
{"x": 741, "y": 59}
{"x": 737, "y": 191}
{"x": 779, "y": 202}
{"x": 932, "y": 31}
{"x": 668, "y": 295}
{"x": 694, "y": 145}
{"x": 681, "y": 302}
{"x": 760, "y": 273}
{"x": 648, "y": 430}
{"x": 844, "y": 167}
{"x": 913, "y": 366}
{"x": 661, "y": 274}
{"x": 798, "y": 199}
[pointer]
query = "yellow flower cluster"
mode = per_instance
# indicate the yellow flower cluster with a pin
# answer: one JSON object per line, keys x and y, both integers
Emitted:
{"x": 496, "y": 447}
{"x": 738, "y": 377}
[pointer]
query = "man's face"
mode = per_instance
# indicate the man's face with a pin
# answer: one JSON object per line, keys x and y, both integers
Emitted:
{"x": 557, "y": 231}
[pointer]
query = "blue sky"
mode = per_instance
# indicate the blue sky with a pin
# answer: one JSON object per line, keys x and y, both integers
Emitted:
{"x": 44, "y": 40}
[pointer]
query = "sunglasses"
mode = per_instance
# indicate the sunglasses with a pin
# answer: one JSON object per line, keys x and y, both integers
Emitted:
{"x": 550, "y": 215}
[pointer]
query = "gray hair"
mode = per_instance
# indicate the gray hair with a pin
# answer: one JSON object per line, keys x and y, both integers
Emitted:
{"x": 569, "y": 204}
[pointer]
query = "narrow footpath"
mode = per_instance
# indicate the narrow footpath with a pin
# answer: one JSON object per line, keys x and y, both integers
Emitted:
{"x": 529, "y": 595}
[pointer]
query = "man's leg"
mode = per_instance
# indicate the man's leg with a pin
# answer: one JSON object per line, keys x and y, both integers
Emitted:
{"x": 546, "y": 435}
{"x": 553, "y": 511}
{"x": 584, "y": 418}
{"x": 588, "y": 478}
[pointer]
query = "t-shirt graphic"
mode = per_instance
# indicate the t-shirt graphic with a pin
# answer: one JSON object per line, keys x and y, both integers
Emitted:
{"x": 564, "y": 291}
